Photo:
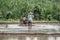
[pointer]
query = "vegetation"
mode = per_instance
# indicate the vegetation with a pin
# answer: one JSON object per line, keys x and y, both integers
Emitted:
{"x": 42, "y": 9}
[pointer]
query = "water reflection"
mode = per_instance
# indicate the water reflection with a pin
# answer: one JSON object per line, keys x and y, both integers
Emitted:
{"x": 18, "y": 38}
{"x": 51, "y": 38}
{"x": 9, "y": 38}
{"x": 29, "y": 38}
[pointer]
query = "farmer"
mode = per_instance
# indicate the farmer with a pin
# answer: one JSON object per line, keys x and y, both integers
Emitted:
{"x": 24, "y": 21}
{"x": 30, "y": 19}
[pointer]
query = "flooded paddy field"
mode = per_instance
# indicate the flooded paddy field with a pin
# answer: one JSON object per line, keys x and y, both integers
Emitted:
{"x": 39, "y": 31}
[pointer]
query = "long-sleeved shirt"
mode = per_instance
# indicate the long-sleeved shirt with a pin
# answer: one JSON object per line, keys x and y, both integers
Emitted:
{"x": 30, "y": 17}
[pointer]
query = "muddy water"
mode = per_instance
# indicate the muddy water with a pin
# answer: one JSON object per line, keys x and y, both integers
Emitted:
{"x": 36, "y": 27}
{"x": 28, "y": 38}
{"x": 12, "y": 38}
{"x": 17, "y": 38}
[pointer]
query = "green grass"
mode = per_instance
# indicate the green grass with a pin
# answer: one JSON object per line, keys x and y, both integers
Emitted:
{"x": 18, "y": 20}
{"x": 45, "y": 21}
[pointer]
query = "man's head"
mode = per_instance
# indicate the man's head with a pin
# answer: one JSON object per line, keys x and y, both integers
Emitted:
{"x": 30, "y": 12}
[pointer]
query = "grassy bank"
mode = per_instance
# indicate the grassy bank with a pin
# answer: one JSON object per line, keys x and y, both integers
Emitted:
{"x": 18, "y": 20}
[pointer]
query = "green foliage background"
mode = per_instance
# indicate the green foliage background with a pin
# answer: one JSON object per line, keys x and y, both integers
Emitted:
{"x": 42, "y": 9}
